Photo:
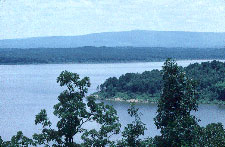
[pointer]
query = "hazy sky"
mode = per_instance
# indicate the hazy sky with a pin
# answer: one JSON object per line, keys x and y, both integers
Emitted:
{"x": 31, "y": 18}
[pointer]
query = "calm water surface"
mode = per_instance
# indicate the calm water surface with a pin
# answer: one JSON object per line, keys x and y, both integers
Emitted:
{"x": 26, "y": 89}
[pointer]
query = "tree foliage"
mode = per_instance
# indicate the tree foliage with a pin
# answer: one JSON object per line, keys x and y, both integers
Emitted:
{"x": 178, "y": 99}
{"x": 18, "y": 140}
{"x": 177, "y": 126}
{"x": 105, "y": 54}
{"x": 73, "y": 113}
{"x": 214, "y": 135}
{"x": 109, "y": 121}
{"x": 132, "y": 131}
{"x": 209, "y": 77}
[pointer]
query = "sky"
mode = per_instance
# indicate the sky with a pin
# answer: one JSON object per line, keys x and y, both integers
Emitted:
{"x": 34, "y": 18}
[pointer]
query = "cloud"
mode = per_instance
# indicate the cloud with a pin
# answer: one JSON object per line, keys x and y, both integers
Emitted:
{"x": 28, "y": 18}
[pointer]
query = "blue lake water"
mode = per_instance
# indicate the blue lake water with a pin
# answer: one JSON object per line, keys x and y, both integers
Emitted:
{"x": 26, "y": 89}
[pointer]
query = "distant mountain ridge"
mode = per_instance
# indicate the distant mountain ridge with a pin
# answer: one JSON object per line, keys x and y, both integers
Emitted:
{"x": 135, "y": 38}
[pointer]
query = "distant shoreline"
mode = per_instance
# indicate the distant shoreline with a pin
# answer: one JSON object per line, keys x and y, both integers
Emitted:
{"x": 95, "y": 55}
{"x": 113, "y": 62}
{"x": 119, "y": 99}
{"x": 133, "y": 100}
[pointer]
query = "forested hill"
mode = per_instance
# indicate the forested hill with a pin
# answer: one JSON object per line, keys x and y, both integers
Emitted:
{"x": 136, "y": 38}
{"x": 105, "y": 54}
{"x": 210, "y": 78}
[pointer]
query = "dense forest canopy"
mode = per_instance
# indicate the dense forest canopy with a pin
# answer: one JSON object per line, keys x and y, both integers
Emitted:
{"x": 209, "y": 76}
{"x": 105, "y": 54}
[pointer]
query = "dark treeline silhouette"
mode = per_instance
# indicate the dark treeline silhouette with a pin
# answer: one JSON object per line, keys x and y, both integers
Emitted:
{"x": 210, "y": 78}
{"x": 177, "y": 126}
{"x": 105, "y": 54}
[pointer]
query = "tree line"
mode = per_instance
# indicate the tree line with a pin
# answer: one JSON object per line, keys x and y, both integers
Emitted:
{"x": 105, "y": 54}
{"x": 209, "y": 76}
{"x": 174, "y": 120}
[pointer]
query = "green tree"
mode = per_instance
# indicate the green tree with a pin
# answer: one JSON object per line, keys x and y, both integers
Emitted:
{"x": 178, "y": 99}
{"x": 18, "y": 140}
{"x": 214, "y": 135}
{"x": 220, "y": 90}
{"x": 133, "y": 131}
{"x": 73, "y": 113}
{"x": 106, "y": 116}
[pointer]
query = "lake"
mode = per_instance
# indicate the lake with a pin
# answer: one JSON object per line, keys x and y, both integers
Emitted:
{"x": 26, "y": 89}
